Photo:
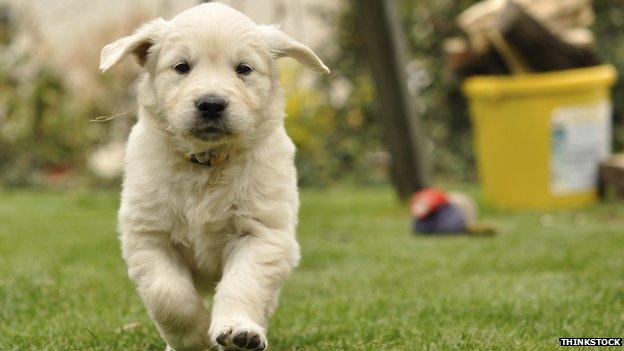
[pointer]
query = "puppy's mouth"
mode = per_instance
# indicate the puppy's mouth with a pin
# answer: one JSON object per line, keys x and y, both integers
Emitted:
{"x": 210, "y": 133}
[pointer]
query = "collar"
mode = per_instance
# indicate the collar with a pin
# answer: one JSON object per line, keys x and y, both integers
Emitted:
{"x": 211, "y": 158}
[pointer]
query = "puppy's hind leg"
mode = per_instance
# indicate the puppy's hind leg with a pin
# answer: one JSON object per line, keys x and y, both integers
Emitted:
{"x": 166, "y": 288}
{"x": 255, "y": 268}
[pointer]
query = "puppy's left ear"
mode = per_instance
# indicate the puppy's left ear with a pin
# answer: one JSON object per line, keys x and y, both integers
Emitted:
{"x": 282, "y": 45}
{"x": 137, "y": 44}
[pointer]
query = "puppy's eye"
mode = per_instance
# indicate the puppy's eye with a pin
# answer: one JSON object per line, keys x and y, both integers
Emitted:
{"x": 182, "y": 68}
{"x": 243, "y": 69}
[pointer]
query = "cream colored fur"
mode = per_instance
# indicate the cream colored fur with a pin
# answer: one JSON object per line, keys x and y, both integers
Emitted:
{"x": 187, "y": 229}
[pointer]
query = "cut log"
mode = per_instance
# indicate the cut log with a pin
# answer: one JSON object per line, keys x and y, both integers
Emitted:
{"x": 465, "y": 62}
{"x": 535, "y": 46}
{"x": 557, "y": 15}
{"x": 579, "y": 37}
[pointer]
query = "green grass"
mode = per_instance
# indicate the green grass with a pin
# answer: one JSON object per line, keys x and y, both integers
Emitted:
{"x": 365, "y": 282}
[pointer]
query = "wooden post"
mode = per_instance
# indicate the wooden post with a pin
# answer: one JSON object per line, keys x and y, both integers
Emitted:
{"x": 385, "y": 45}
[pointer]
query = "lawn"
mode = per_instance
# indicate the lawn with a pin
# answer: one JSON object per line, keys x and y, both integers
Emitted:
{"x": 365, "y": 282}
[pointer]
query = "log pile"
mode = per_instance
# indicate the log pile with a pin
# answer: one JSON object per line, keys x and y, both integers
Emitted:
{"x": 523, "y": 36}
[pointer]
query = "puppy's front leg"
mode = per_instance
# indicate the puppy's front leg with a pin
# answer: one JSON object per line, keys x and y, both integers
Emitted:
{"x": 166, "y": 288}
{"x": 256, "y": 265}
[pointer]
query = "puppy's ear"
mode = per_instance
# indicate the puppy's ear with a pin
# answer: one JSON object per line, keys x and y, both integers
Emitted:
{"x": 282, "y": 45}
{"x": 137, "y": 44}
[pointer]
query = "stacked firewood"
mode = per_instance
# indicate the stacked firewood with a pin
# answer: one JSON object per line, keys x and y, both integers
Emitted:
{"x": 523, "y": 36}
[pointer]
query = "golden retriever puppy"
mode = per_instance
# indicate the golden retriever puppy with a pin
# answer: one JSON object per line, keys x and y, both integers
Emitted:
{"x": 209, "y": 201}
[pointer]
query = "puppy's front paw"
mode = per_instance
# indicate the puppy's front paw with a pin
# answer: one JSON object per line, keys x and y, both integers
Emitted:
{"x": 238, "y": 335}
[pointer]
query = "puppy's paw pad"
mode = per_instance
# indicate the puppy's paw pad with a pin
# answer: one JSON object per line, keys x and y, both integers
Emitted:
{"x": 223, "y": 338}
{"x": 246, "y": 340}
{"x": 241, "y": 337}
{"x": 254, "y": 342}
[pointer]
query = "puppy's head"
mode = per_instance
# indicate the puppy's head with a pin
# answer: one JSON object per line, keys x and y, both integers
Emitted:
{"x": 211, "y": 75}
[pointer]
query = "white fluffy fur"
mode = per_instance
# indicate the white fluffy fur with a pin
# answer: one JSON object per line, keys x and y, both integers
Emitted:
{"x": 189, "y": 229}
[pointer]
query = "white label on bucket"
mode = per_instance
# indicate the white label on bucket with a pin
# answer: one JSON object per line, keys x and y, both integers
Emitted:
{"x": 580, "y": 140}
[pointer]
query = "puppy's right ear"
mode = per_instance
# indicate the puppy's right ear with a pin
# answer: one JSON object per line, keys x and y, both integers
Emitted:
{"x": 137, "y": 44}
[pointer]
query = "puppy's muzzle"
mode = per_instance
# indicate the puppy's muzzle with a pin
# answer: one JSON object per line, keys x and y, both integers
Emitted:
{"x": 210, "y": 122}
{"x": 211, "y": 107}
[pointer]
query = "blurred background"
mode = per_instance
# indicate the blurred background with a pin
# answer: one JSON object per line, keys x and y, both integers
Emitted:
{"x": 52, "y": 89}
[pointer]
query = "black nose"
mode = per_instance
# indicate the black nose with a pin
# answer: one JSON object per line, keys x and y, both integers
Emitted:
{"x": 211, "y": 106}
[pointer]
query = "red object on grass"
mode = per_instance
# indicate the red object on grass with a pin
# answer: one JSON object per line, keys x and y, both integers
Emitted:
{"x": 425, "y": 202}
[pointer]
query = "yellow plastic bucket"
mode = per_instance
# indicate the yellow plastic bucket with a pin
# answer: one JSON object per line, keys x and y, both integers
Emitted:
{"x": 540, "y": 137}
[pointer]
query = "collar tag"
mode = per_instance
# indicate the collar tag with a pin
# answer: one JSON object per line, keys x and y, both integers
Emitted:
{"x": 209, "y": 158}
